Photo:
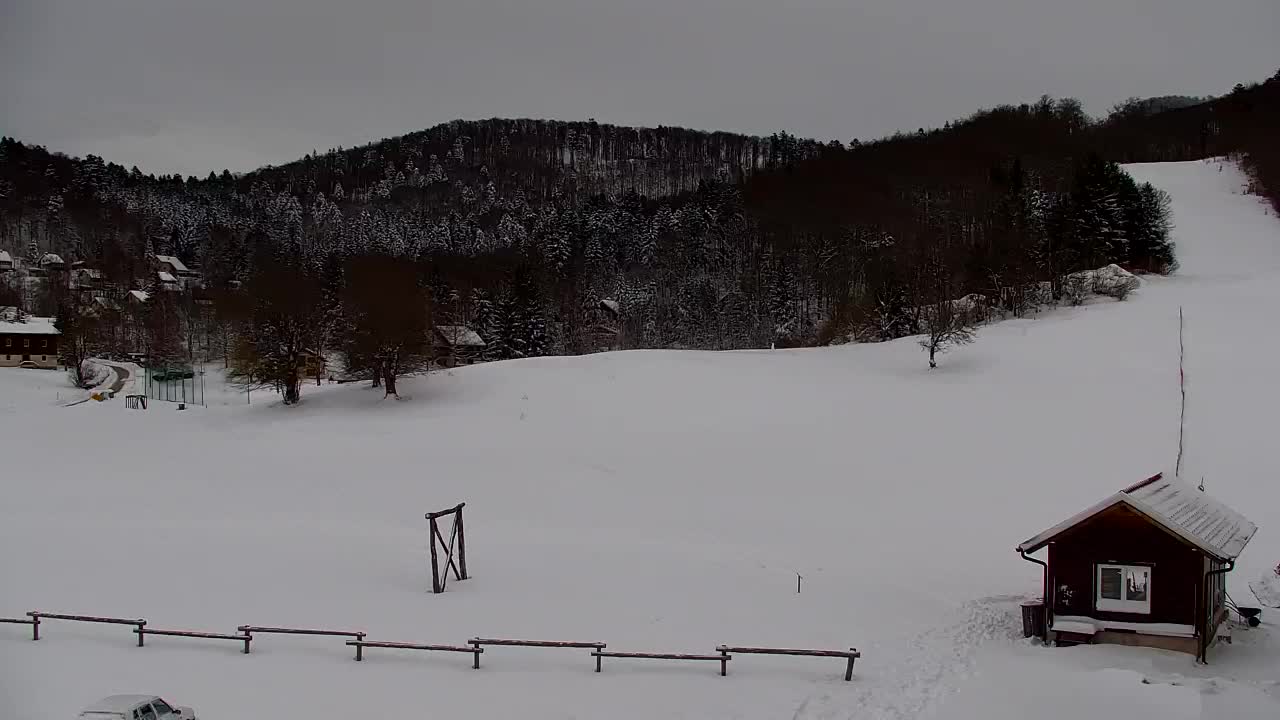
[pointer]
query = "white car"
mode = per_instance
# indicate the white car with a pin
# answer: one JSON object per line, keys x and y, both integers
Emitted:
{"x": 135, "y": 707}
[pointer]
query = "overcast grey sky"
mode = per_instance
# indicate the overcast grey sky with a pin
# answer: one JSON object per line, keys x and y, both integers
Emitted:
{"x": 196, "y": 85}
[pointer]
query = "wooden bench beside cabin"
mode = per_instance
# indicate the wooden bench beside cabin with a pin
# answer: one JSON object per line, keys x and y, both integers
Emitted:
{"x": 246, "y": 638}
{"x": 851, "y": 654}
{"x": 722, "y": 658}
{"x": 360, "y": 645}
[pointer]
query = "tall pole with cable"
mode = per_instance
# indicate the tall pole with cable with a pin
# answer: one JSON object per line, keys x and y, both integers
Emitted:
{"x": 1182, "y": 387}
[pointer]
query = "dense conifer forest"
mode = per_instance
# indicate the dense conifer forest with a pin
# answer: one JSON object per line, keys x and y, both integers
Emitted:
{"x": 551, "y": 237}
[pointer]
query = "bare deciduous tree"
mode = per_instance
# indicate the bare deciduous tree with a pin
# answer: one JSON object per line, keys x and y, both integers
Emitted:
{"x": 78, "y": 340}
{"x": 385, "y": 333}
{"x": 945, "y": 320}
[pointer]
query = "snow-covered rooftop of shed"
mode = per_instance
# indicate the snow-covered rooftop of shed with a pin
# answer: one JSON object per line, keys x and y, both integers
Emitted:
{"x": 172, "y": 262}
{"x": 1180, "y": 508}
{"x": 5, "y": 257}
{"x": 52, "y": 259}
{"x": 460, "y": 336}
{"x": 140, "y": 295}
{"x": 167, "y": 277}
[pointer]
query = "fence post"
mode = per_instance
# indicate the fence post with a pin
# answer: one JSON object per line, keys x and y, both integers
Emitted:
{"x": 140, "y": 633}
{"x": 247, "y": 638}
{"x": 848, "y": 671}
{"x": 35, "y": 626}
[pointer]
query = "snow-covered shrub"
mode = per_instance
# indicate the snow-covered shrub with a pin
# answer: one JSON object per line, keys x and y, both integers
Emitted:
{"x": 1115, "y": 282}
{"x": 1076, "y": 288}
{"x": 91, "y": 375}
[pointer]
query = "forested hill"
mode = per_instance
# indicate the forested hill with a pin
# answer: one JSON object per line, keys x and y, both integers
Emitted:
{"x": 520, "y": 228}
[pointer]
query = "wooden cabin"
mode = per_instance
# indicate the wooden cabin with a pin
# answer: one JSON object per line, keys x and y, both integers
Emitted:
{"x": 454, "y": 345}
{"x": 1145, "y": 566}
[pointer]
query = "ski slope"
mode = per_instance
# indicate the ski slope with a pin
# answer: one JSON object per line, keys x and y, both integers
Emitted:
{"x": 662, "y": 501}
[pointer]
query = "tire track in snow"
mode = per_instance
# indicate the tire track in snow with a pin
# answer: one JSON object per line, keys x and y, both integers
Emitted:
{"x": 931, "y": 667}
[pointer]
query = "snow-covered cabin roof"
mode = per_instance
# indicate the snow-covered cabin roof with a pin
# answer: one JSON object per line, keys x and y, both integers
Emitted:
{"x": 459, "y": 336}
{"x": 51, "y": 259}
{"x": 1182, "y": 509}
{"x": 29, "y": 326}
{"x": 173, "y": 262}
{"x": 5, "y": 257}
{"x": 139, "y": 295}
{"x": 166, "y": 277}
{"x": 611, "y": 305}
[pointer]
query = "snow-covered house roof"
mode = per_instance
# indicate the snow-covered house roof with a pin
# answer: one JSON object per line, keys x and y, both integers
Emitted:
{"x": 1182, "y": 509}
{"x": 173, "y": 262}
{"x": 106, "y": 303}
{"x": 611, "y": 305}
{"x": 29, "y": 326}
{"x": 5, "y": 258}
{"x": 139, "y": 295}
{"x": 459, "y": 336}
{"x": 166, "y": 277}
{"x": 52, "y": 259}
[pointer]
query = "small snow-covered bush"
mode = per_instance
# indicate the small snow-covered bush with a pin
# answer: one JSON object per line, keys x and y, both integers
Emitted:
{"x": 1115, "y": 282}
{"x": 1076, "y": 288}
{"x": 91, "y": 375}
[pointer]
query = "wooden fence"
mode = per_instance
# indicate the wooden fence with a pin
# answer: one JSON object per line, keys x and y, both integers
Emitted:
{"x": 475, "y": 647}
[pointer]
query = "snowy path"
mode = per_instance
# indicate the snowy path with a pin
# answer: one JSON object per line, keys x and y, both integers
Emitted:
{"x": 906, "y": 681}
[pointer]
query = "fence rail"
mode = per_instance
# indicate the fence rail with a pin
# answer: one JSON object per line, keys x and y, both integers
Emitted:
{"x": 38, "y": 617}
{"x": 246, "y": 638}
{"x": 360, "y": 645}
{"x": 474, "y": 646}
{"x": 851, "y": 654}
{"x": 722, "y": 658}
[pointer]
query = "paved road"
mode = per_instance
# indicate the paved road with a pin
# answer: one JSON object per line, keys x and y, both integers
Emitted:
{"x": 122, "y": 377}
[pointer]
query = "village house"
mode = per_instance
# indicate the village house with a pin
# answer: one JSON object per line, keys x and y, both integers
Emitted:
{"x": 1144, "y": 566}
{"x": 6, "y": 261}
{"x": 87, "y": 281}
{"x": 456, "y": 344}
{"x": 27, "y": 341}
{"x": 166, "y": 281}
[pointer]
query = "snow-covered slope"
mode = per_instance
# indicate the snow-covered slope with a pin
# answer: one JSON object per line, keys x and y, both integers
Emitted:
{"x": 662, "y": 501}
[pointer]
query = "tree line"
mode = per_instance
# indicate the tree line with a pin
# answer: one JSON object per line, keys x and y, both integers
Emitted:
{"x": 557, "y": 238}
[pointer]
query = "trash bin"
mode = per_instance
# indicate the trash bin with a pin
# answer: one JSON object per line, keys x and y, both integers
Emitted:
{"x": 1033, "y": 618}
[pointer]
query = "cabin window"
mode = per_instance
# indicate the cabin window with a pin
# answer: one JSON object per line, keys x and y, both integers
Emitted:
{"x": 26, "y": 342}
{"x": 1124, "y": 588}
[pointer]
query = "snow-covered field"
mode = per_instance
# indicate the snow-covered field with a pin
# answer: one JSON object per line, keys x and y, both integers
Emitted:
{"x": 661, "y": 501}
